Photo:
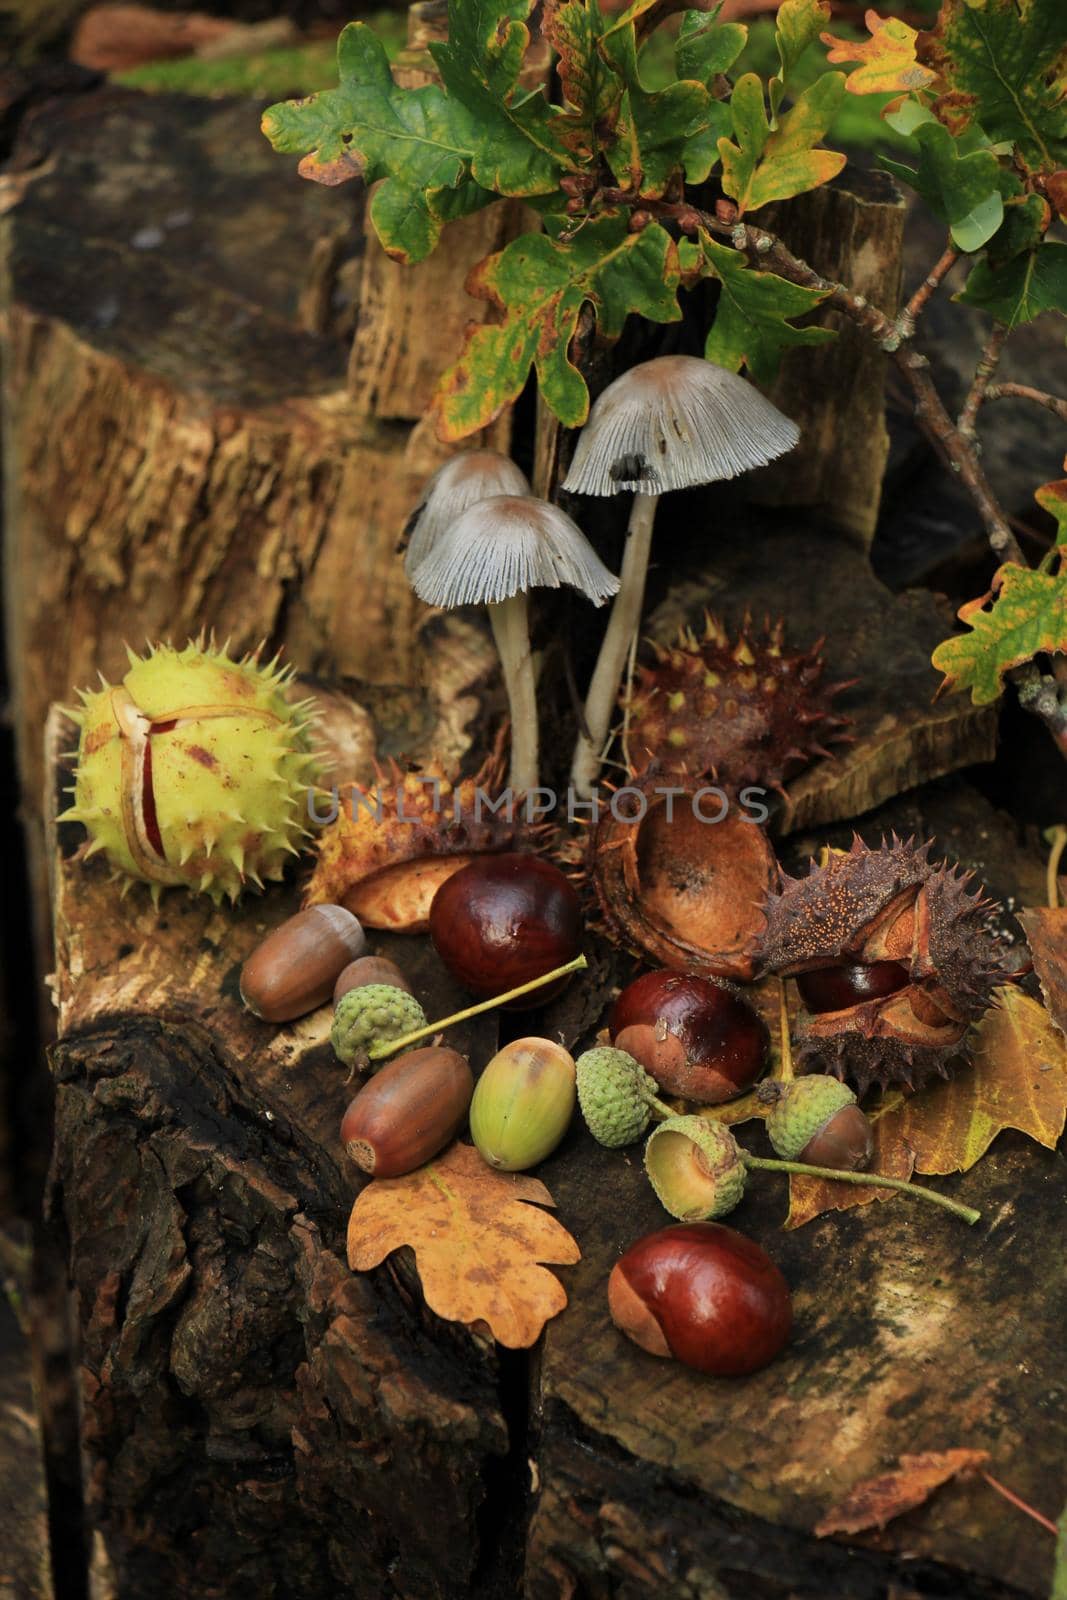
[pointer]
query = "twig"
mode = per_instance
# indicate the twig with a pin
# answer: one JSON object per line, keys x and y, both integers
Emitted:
{"x": 984, "y": 373}
{"x": 1019, "y": 1504}
{"x": 1052, "y": 871}
{"x": 1022, "y": 391}
{"x": 938, "y": 272}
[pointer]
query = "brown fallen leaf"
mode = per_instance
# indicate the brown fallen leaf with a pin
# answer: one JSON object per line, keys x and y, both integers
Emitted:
{"x": 874, "y": 1502}
{"x": 1046, "y": 933}
{"x": 477, "y": 1242}
{"x": 1017, "y": 1078}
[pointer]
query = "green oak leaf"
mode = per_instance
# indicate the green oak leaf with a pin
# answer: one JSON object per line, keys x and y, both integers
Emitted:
{"x": 705, "y": 47}
{"x": 1022, "y": 288}
{"x": 796, "y": 26}
{"x": 1026, "y": 220}
{"x": 751, "y": 327}
{"x": 1052, "y": 497}
{"x": 655, "y": 126}
{"x": 1002, "y": 62}
{"x": 964, "y": 190}
{"x": 1025, "y": 616}
{"x": 519, "y": 148}
{"x": 592, "y": 89}
{"x": 765, "y": 165}
{"x": 416, "y": 140}
{"x": 541, "y": 284}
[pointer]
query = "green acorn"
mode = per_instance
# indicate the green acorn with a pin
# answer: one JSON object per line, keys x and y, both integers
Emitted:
{"x": 815, "y": 1119}
{"x": 617, "y": 1096}
{"x": 372, "y": 1015}
{"x": 695, "y": 1167}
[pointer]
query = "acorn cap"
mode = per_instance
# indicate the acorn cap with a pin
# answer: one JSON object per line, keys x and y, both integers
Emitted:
{"x": 614, "y": 1093}
{"x": 695, "y": 1167}
{"x": 674, "y": 422}
{"x": 505, "y": 546}
{"x": 460, "y": 483}
{"x": 802, "y": 1108}
{"x": 374, "y": 1014}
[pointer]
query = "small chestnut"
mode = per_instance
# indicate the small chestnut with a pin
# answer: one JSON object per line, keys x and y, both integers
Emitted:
{"x": 503, "y": 920}
{"x": 295, "y": 968}
{"x": 838, "y": 988}
{"x": 704, "y": 1294}
{"x": 370, "y": 969}
{"x": 408, "y": 1111}
{"x": 696, "y": 1036}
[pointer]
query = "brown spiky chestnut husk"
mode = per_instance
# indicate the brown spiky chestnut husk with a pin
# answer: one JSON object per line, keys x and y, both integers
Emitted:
{"x": 924, "y": 933}
{"x": 685, "y": 893}
{"x": 750, "y": 710}
{"x": 394, "y": 844}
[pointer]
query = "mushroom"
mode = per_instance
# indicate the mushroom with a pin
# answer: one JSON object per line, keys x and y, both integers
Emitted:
{"x": 669, "y": 423}
{"x": 461, "y": 482}
{"x": 491, "y": 555}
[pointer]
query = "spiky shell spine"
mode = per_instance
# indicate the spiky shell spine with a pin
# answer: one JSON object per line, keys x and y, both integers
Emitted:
{"x": 890, "y": 904}
{"x": 193, "y": 771}
{"x": 750, "y": 711}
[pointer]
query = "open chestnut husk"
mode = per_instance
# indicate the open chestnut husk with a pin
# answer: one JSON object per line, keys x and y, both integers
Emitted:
{"x": 696, "y": 1036}
{"x": 390, "y": 848}
{"x": 893, "y": 958}
{"x": 676, "y": 885}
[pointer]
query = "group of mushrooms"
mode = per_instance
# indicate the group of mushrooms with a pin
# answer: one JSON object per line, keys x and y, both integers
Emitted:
{"x": 480, "y": 537}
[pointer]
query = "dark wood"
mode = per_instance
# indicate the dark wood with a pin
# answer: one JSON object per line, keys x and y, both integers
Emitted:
{"x": 912, "y": 1332}
{"x": 25, "y": 1566}
{"x": 851, "y": 231}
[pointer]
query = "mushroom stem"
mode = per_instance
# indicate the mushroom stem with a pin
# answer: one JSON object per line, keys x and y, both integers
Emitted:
{"x": 622, "y": 626}
{"x": 511, "y": 631}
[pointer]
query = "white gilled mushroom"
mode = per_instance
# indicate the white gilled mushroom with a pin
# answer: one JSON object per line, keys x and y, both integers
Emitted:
{"x": 461, "y": 482}
{"x": 669, "y": 423}
{"x": 492, "y": 555}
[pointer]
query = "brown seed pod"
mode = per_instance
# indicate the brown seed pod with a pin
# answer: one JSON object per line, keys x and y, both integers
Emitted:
{"x": 751, "y": 711}
{"x": 681, "y": 889}
{"x": 392, "y": 846}
{"x": 922, "y": 928}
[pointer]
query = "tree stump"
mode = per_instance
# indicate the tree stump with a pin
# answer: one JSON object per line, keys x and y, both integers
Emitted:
{"x": 259, "y": 1420}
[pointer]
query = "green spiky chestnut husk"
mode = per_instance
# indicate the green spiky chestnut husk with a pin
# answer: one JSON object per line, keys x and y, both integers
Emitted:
{"x": 374, "y": 1014}
{"x": 616, "y": 1095}
{"x": 193, "y": 771}
{"x": 695, "y": 1168}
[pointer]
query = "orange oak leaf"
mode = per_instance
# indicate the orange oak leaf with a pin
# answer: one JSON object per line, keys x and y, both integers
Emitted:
{"x": 875, "y": 1501}
{"x": 477, "y": 1242}
{"x": 1046, "y": 934}
{"x": 1017, "y": 1078}
{"x": 887, "y": 59}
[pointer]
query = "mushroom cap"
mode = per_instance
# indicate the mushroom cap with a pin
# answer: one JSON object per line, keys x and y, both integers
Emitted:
{"x": 461, "y": 482}
{"x": 505, "y": 546}
{"x": 673, "y": 422}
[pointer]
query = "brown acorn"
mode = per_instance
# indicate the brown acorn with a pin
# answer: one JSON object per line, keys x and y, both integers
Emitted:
{"x": 892, "y": 957}
{"x": 750, "y": 710}
{"x": 408, "y": 1112}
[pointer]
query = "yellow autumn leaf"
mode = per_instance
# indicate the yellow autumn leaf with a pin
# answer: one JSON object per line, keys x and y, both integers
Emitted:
{"x": 478, "y": 1239}
{"x": 887, "y": 59}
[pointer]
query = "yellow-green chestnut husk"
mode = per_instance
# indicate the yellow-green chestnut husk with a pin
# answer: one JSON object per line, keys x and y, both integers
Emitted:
{"x": 194, "y": 770}
{"x": 523, "y": 1103}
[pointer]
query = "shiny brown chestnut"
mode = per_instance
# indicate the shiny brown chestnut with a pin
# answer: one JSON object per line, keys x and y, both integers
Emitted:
{"x": 838, "y": 988}
{"x": 370, "y": 969}
{"x": 503, "y": 920}
{"x": 696, "y": 1036}
{"x": 408, "y": 1111}
{"x": 295, "y": 968}
{"x": 704, "y": 1294}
